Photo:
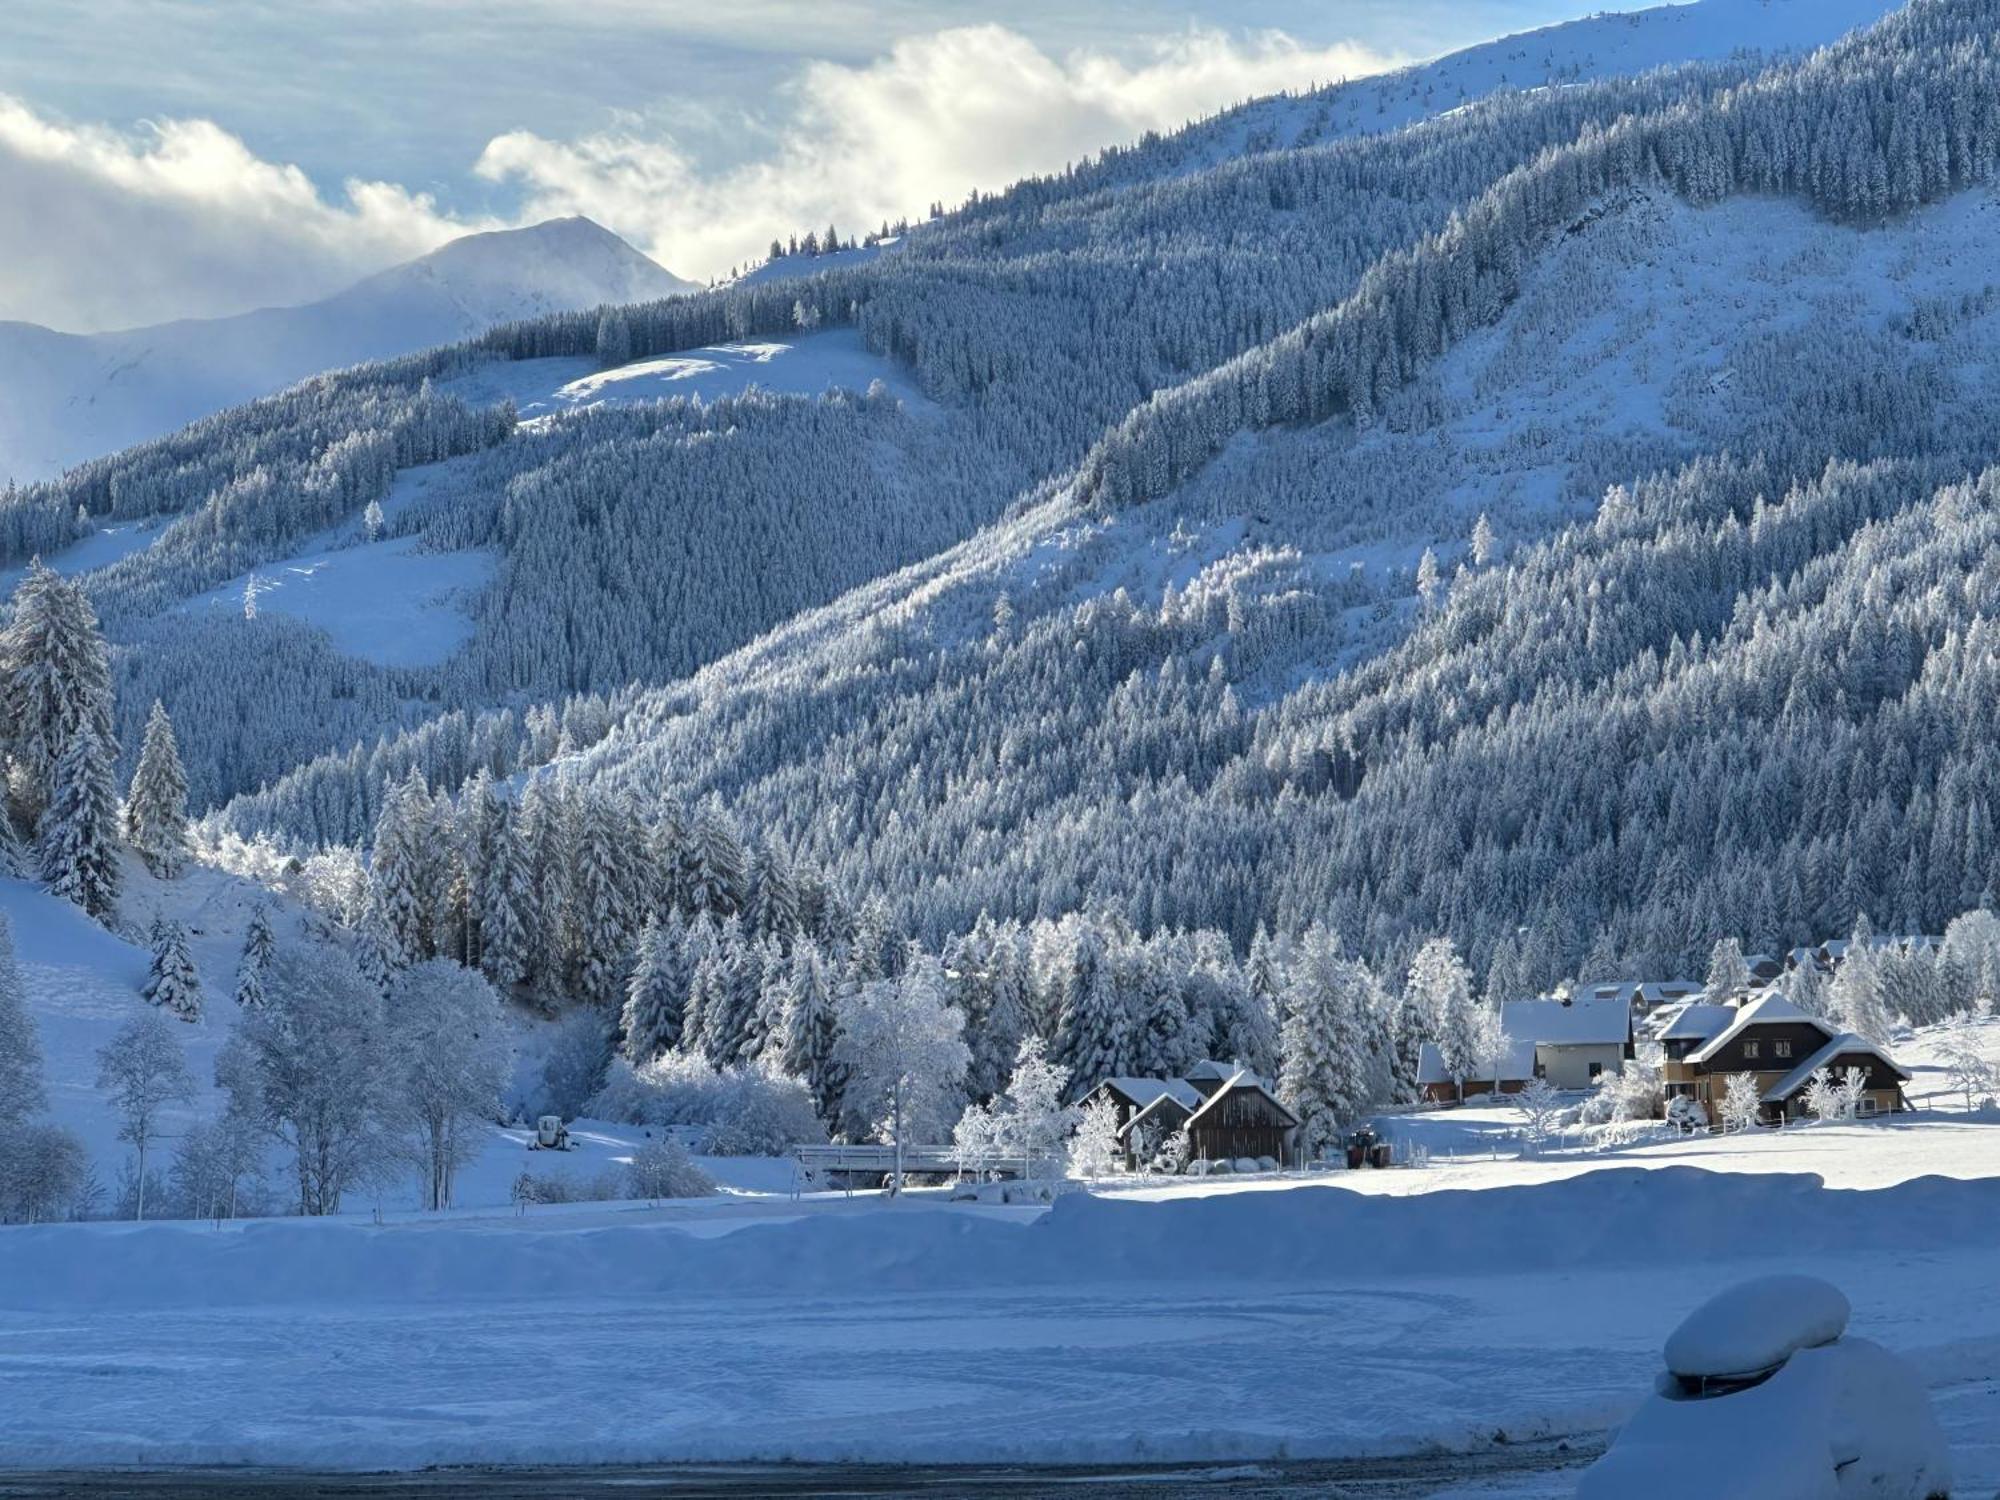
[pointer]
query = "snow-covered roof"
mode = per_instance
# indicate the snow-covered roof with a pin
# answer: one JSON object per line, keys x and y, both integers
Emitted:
{"x": 1221, "y": 1072}
{"x": 1243, "y": 1078}
{"x": 1552, "y": 1023}
{"x": 1143, "y": 1091}
{"x": 1836, "y": 1046}
{"x": 1696, "y": 1021}
{"x": 1766, "y": 1008}
{"x": 1162, "y": 1108}
{"x": 1518, "y": 1067}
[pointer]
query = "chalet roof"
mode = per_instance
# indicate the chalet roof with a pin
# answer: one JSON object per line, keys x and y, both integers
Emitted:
{"x": 1518, "y": 1068}
{"x": 1243, "y": 1079}
{"x": 1166, "y": 1108}
{"x": 1579, "y": 1023}
{"x": 1220, "y": 1072}
{"x": 1144, "y": 1091}
{"x": 1767, "y": 1008}
{"x": 1836, "y": 1046}
{"x": 1696, "y": 1021}
{"x": 1647, "y": 992}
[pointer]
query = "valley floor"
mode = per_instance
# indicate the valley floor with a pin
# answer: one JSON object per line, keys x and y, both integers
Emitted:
{"x": 1232, "y": 1328}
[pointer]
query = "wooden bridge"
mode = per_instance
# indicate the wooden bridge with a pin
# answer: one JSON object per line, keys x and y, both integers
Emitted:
{"x": 825, "y": 1163}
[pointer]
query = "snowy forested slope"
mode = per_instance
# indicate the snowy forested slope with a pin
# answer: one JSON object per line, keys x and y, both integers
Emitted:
{"x": 1770, "y": 353}
{"x": 71, "y": 397}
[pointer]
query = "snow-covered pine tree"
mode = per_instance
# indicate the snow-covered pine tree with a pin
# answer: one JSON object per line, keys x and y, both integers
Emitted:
{"x": 259, "y": 943}
{"x": 78, "y": 837}
{"x": 171, "y": 982}
{"x": 156, "y": 809}
{"x": 55, "y": 683}
{"x": 1728, "y": 975}
{"x": 603, "y": 911}
{"x": 812, "y": 1031}
{"x": 656, "y": 993}
{"x": 1323, "y": 1079}
{"x": 506, "y": 904}
{"x": 399, "y": 872}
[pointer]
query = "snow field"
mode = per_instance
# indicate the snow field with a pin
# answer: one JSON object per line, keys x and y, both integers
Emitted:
{"x": 1304, "y": 1323}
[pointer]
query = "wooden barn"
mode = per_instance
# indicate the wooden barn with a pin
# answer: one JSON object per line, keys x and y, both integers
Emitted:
{"x": 1242, "y": 1118}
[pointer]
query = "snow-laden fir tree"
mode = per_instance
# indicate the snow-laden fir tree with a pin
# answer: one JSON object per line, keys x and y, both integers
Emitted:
{"x": 22, "y": 1094}
{"x": 603, "y": 911}
{"x": 259, "y": 943}
{"x": 1323, "y": 1080}
{"x": 705, "y": 1017}
{"x": 1854, "y": 999}
{"x": 656, "y": 993}
{"x": 811, "y": 1032}
{"x": 78, "y": 836}
{"x": 1440, "y": 990}
{"x": 401, "y": 866}
{"x": 1728, "y": 974}
{"x": 156, "y": 807}
{"x": 506, "y": 905}
{"x": 171, "y": 982}
{"x": 55, "y": 684}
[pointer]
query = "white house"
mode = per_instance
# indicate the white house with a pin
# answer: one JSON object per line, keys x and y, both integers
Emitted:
{"x": 1575, "y": 1041}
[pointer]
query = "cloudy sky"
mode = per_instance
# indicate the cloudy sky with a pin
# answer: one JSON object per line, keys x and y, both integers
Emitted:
{"x": 177, "y": 158}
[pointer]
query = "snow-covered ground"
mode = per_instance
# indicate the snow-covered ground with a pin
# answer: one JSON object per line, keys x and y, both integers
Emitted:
{"x": 808, "y": 364}
{"x": 1311, "y": 1322}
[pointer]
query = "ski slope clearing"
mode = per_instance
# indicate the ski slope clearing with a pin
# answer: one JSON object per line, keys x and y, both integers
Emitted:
{"x": 392, "y": 602}
{"x": 1308, "y": 1323}
{"x": 808, "y": 365}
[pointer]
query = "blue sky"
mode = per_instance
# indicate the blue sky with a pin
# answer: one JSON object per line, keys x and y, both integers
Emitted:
{"x": 270, "y": 150}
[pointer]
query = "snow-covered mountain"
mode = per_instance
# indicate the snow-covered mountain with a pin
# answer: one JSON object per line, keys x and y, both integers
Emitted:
{"x": 71, "y": 397}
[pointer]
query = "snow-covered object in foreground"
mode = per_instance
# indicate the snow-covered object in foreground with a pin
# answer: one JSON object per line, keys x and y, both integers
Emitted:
{"x": 1756, "y": 1326}
{"x": 1837, "y": 1421}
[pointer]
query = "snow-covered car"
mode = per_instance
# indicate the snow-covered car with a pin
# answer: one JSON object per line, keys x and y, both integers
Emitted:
{"x": 1765, "y": 1398}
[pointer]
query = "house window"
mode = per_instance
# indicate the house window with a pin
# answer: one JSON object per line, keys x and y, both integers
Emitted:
{"x": 1867, "y": 1105}
{"x": 1781, "y": 1049}
{"x": 1596, "y": 1071}
{"x": 1749, "y": 1051}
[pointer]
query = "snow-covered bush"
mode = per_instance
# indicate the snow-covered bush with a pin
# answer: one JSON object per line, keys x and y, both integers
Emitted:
{"x": 1686, "y": 1114}
{"x": 662, "y": 1169}
{"x": 1633, "y": 1093}
{"x": 753, "y": 1110}
{"x": 44, "y": 1172}
{"x": 554, "y": 1187}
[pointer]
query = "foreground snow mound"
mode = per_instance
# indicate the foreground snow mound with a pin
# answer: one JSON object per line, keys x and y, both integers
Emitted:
{"x": 1308, "y": 1235}
{"x": 1756, "y": 1326}
{"x": 1839, "y": 1422}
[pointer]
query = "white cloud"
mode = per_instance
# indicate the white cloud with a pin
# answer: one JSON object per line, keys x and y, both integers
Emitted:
{"x": 180, "y": 219}
{"x": 969, "y": 107}
{"x": 106, "y": 228}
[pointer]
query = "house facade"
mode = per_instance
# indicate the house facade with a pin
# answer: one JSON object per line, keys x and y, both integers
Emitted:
{"x": 1570, "y": 1042}
{"x": 1242, "y": 1117}
{"x": 1780, "y": 1047}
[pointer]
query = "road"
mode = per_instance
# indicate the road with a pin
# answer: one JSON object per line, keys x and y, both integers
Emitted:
{"x": 1512, "y": 1469}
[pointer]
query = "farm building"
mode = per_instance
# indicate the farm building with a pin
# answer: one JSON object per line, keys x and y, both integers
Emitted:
{"x": 1242, "y": 1117}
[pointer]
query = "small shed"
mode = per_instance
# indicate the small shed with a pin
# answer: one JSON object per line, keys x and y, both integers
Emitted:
{"x": 1130, "y": 1095}
{"x": 1242, "y": 1118}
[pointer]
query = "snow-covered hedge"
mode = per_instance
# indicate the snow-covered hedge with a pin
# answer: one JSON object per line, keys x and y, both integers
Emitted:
{"x": 748, "y": 1111}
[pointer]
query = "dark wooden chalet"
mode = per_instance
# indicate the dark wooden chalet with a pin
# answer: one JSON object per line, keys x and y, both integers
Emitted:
{"x": 1779, "y": 1046}
{"x": 1242, "y": 1118}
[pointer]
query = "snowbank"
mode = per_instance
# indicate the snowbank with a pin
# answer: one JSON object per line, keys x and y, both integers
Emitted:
{"x": 1304, "y": 1236}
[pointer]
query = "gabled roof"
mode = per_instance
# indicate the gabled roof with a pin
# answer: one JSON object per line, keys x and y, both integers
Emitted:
{"x": 1243, "y": 1079}
{"x": 1765, "y": 1009}
{"x": 1696, "y": 1021}
{"x": 1220, "y": 1072}
{"x": 1551, "y": 1023}
{"x": 1144, "y": 1091}
{"x": 1519, "y": 1066}
{"x": 1162, "y": 1109}
{"x": 1836, "y": 1046}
